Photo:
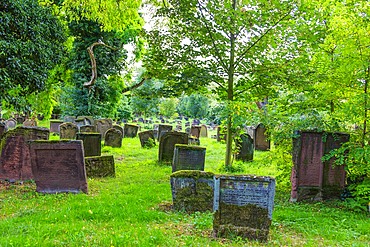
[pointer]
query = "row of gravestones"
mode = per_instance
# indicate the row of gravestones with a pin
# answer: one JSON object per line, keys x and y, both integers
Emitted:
{"x": 56, "y": 166}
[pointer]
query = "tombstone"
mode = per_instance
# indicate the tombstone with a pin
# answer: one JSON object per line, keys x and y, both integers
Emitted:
{"x": 221, "y": 134}
{"x": 196, "y": 122}
{"x": 246, "y": 147}
{"x": 147, "y": 138}
{"x": 162, "y": 128}
{"x": 91, "y": 143}
{"x": 69, "y": 119}
{"x": 100, "y": 166}
{"x": 243, "y": 206}
{"x": 260, "y": 138}
{"x": 203, "y": 131}
{"x": 87, "y": 128}
{"x": 167, "y": 144}
{"x": 54, "y": 125}
{"x": 113, "y": 138}
{"x": 102, "y": 125}
{"x": 30, "y": 123}
{"x": 195, "y": 131}
{"x": 2, "y": 129}
{"x": 155, "y": 130}
{"x": 10, "y": 123}
{"x": 15, "y": 161}
{"x": 130, "y": 130}
{"x": 58, "y": 166}
{"x": 193, "y": 141}
{"x": 250, "y": 131}
{"x": 68, "y": 131}
{"x": 192, "y": 191}
{"x": 84, "y": 120}
{"x": 119, "y": 128}
{"x": 187, "y": 157}
{"x": 314, "y": 179}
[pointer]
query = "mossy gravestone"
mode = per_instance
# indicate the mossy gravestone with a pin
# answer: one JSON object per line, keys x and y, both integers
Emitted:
{"x": 130, "y": 130}
{"x": 113, "y": 138}
{"x": 245, "y": 147}
{"x": 68, "y": 131}
{"x": 167, "y": 144}
{"x": 243, "y": 206}
{"x": 163, "y": 128}
{"x": 100, "y": 166}
{"x": 102, "y": 125}
{"x": 87, "y": 128}
{"x": 147, "y": 139}
{"x": 188, "y": 157}
{"x": 58, "y": 166}
{"x": 15, "y": 160}
{"x": 192, "y": 191}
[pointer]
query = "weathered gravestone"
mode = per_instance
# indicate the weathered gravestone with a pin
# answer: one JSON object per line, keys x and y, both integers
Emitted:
{"x": 188, "y": 157}
{"x": 69, "y": 119}
{"x": 221, "y": 133}
{"x": 195, "y": 131}
{"x": 15, "y": 161}
{"x": 113, "y": 138}
{"x": 84, "y": 120}
{"x": 100, "y": 166}
{"x": 246, "y": 148}
{"x": 54, "y": 125}
{"x": 203, "y": 131}
{"x": 102, "y": 125}
{"x": 2, "y": 129}
{"x": 119, "y": 128}
{"x": 163, "y": 128}
{"x": 130, "y": 130}
{"x": 147, "y": 138}
{"x": 87, "y": 128}
{"x": 192, "y": 191}
{"x": 10, "y": 123}
{"x": 243, "y": 206}
{"x": 261, "y": 141}
{"x": 312, "y": 178}
{"x": 58, "y": 166}
{"x": 68, "y": 131}
{"x": 30, "y": 123}
{"x": 91, "y": 143}
{"x": 167, "y": 144}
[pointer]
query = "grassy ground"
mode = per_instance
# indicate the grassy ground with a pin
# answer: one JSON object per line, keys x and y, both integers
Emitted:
{"x": 132, "y": 210}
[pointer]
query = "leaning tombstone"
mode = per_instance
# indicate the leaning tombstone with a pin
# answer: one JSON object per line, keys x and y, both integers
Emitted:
{"x": 2, "y": 129}
{"x": 58, "y": 166}
{"x": 54, "y": 125}
{"x": 192, "y": 191}
{"x": 203, "y": 131}
{"x": 147, "y": 138}
{"x": 113, "y": 138}
{"x": 91, "y": 143}
{"x": 162, "y": 128}
{"x": 100, "y": 166}
{"x": 30, "y": 123}
{"x": 167, "y": 144}
{"x": 245, "y": 147}
{"x": 243, "y": 206}
{"x": 188, "y": 157}
{"x": 130, "y": 130}
{"x": 68, "y": 131}
{"x": 261, "y": 141}
{"x": 15, "y": 161}
{"x": 102, "y": 125}
{"x": 10, "y": 123}
{"x": 313, "y": 179}
{"x": 87, "y": 128}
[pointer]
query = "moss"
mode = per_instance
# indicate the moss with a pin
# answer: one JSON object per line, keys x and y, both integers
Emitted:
{"x": 192, "y": 174}
{"x": 190, "y": 147}
{"x": 247, "y": 221}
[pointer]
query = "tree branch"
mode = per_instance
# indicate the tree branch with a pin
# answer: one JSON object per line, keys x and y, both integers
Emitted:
{"x": 135, "y": 86}
{"x": 258, "y": 40}
{"x": 94, "y": 73}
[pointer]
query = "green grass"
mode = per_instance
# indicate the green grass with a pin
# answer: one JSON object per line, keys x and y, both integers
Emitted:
{"x": 132, "y": 210}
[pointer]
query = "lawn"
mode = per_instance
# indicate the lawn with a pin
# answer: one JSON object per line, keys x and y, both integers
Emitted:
{"x": 132, "y": 210}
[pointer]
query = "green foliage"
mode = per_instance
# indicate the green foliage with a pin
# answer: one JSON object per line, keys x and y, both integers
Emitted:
{"x": 194, "y": 106}
{"x": 167, "y": 107}
{"x": 31, "y": 44}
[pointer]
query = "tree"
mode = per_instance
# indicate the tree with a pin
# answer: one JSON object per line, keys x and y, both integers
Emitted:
{"x": 31, "y": 44}
{"x": 194, "y": 106}
{"x": 219, "y": 44}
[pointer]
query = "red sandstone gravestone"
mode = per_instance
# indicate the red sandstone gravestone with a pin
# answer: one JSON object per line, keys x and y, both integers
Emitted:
{"x": 58, "y": 166}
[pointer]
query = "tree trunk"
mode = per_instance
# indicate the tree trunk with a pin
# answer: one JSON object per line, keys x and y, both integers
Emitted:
{"x": 365, "y": 107}
{"x": 230, "y": 97}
